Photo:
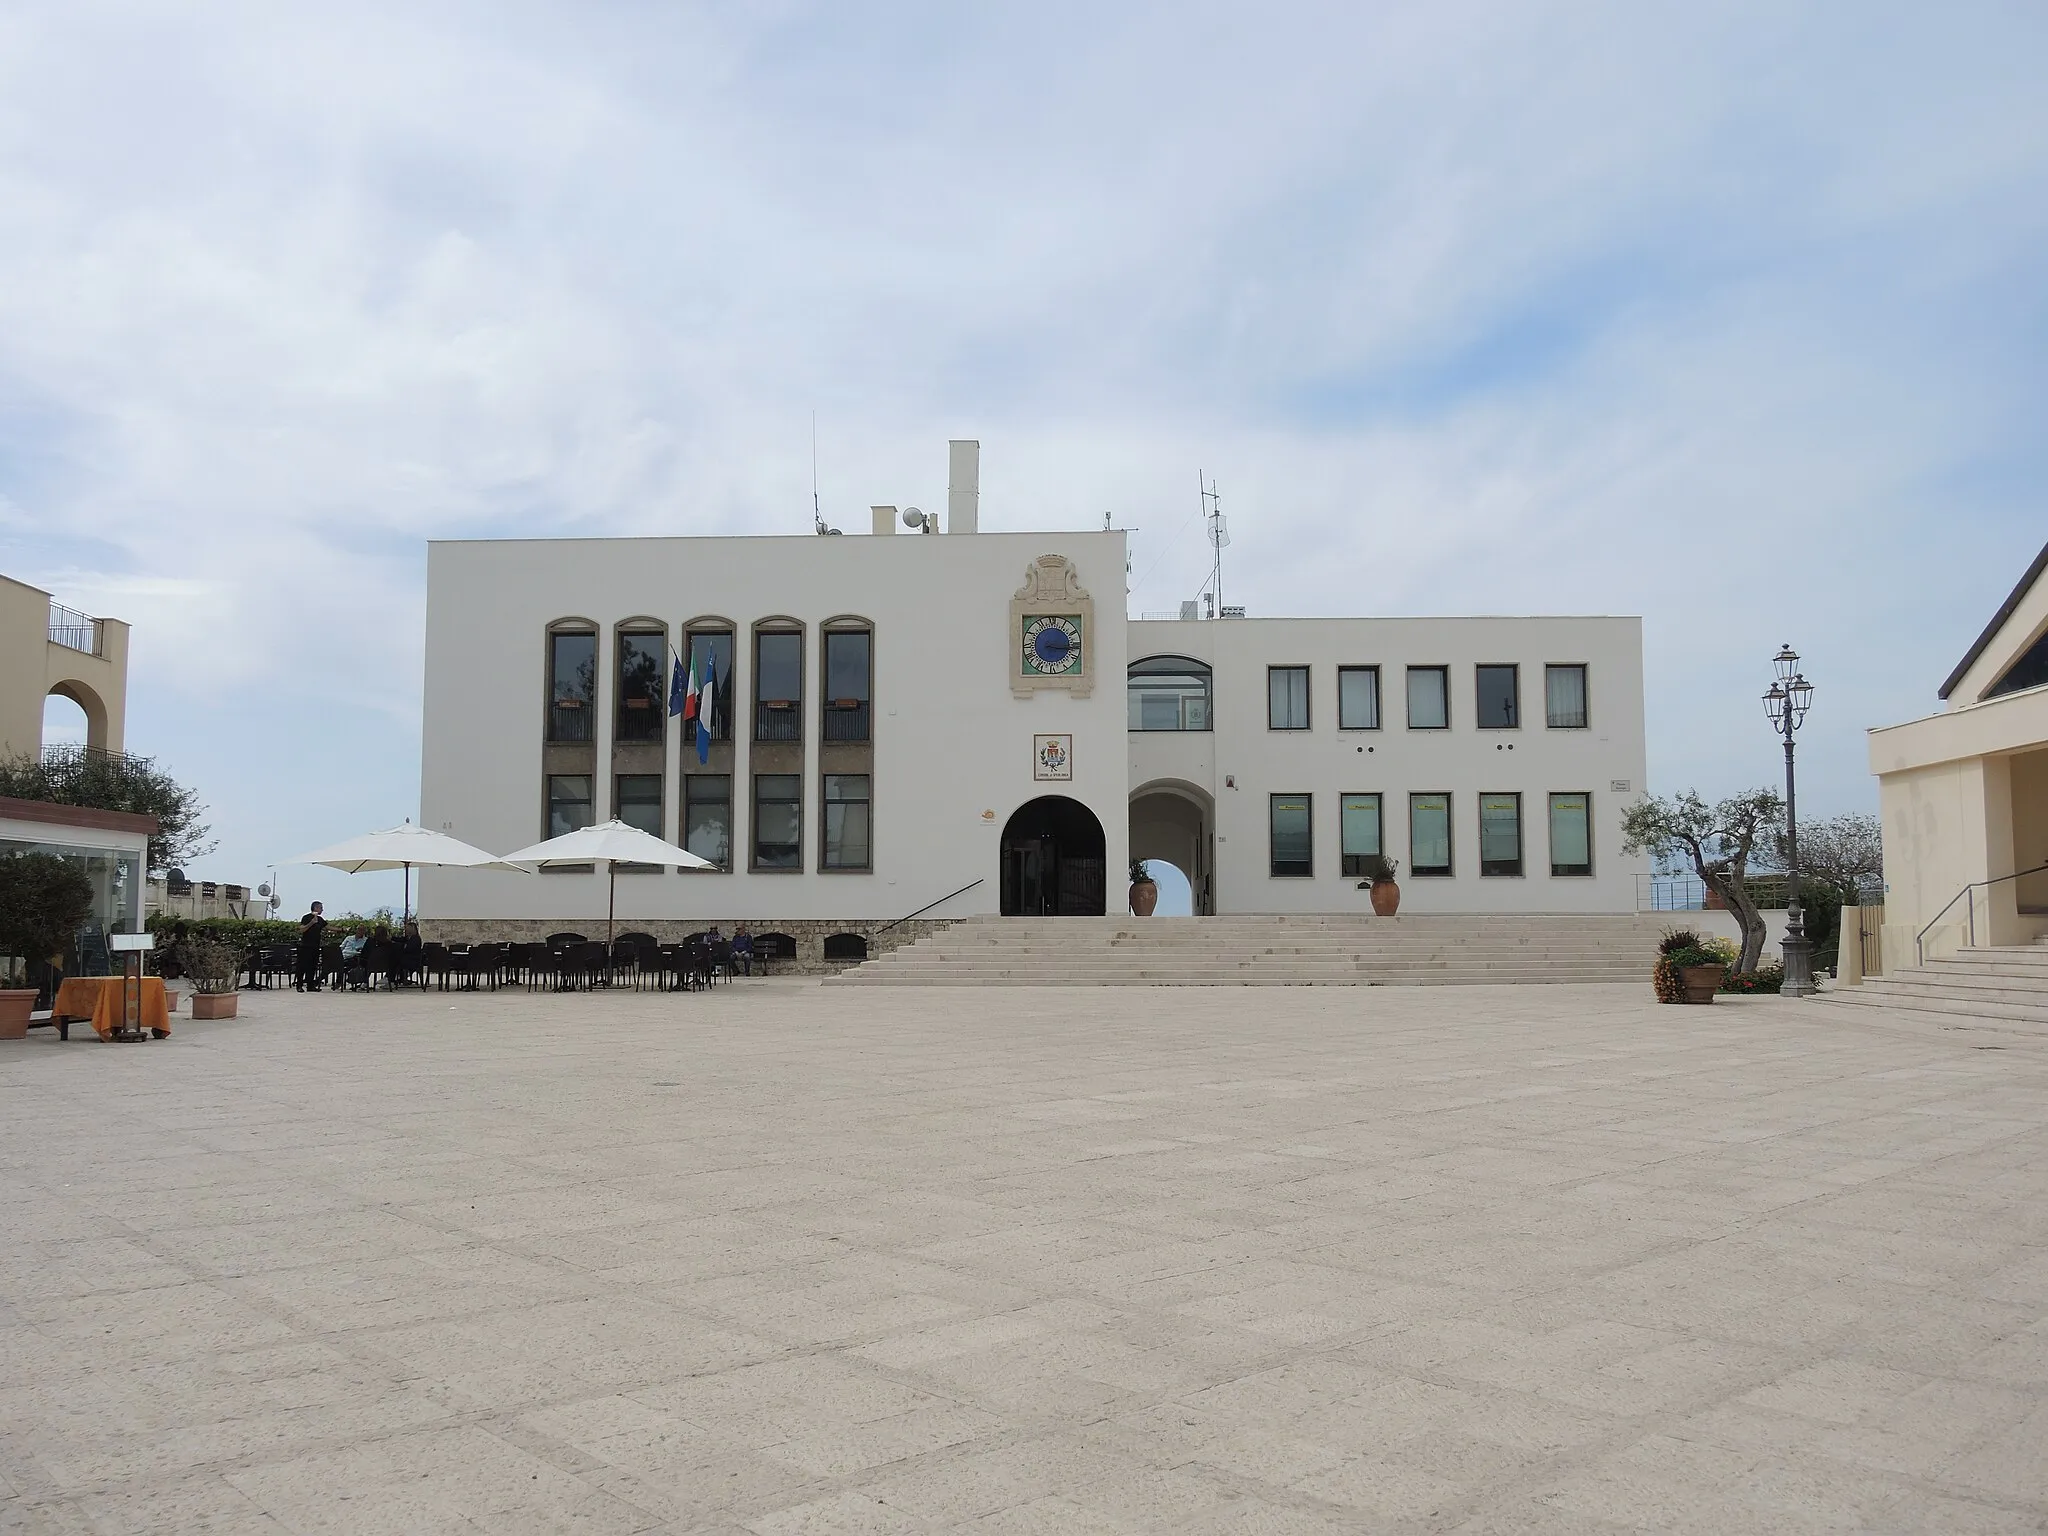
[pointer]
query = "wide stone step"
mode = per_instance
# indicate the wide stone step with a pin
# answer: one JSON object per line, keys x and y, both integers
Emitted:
{"x": 1936, "y": 1004}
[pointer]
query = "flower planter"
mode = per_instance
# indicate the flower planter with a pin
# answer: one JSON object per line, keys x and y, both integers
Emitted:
{"x": 1386, "y": 898}
{"x": 214, "y": 1005}
{"x": 1702, "y": 981}
{"x": 1144, "y": 897}
{"x": 16, "y": 1004}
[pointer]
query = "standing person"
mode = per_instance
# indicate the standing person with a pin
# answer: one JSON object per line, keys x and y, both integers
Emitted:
{"x": 312, "y": 934}
{"x": 743, "y": 948}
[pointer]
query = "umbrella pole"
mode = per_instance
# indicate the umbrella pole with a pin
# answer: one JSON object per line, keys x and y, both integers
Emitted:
{"x": 405, "y": 913}
{"x": 611, "y": 905}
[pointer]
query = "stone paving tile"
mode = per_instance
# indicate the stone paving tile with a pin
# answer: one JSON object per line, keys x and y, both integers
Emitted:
{"x": 777, "y": 1260}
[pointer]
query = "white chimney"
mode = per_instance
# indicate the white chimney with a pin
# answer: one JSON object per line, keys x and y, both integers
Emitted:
{"x": 963, "y": 486}
{"x": 885, "y": 519}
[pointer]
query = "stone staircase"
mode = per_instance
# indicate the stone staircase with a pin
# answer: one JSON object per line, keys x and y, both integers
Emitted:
{"x": 2007, "y": 982}
{"x": 1272, "y": 952}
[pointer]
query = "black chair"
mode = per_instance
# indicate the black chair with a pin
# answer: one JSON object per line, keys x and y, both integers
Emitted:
{"x": 434, "y": 965}
{"x": 561, "y": 941}
{"x": 371, "y": 961}
{"x": 330, "y": 964}
{"x": 584, "y": 965}
{"x": 486, "y": 966}
{"x": 770, "y": 947}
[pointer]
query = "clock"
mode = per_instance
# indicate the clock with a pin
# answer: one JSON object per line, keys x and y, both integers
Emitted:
{"x": 1052, "y": 645}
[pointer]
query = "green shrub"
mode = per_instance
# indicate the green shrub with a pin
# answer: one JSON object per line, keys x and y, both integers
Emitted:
{"x": 44, "y": 901}
{"x": 1765, "y": 978}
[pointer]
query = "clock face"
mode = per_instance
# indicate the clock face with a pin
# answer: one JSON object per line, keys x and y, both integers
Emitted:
{"x": 1052, "y": 644}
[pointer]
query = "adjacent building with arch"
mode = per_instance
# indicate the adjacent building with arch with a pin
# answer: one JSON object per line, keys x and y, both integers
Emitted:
{"x": 931, "y": 725}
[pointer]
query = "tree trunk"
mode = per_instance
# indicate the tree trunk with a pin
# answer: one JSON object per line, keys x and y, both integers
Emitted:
{"x": 1735, "y": 896}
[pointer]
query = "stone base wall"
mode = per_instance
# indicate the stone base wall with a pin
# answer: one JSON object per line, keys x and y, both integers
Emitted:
{"x": 809, "y": 933}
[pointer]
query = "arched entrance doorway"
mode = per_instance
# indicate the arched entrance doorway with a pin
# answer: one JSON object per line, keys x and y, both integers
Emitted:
{"x": 1172, "y": 822}
{"x": 1053, "y": 852}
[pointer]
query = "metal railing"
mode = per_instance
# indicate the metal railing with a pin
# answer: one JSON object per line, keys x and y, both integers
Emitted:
{"x": 778, "y": 720}
{"x": 847, "y": 721}
{"x": 920, "y": 912}
{"x": 74, "y": 630}
{"x": 1920, "y": 938}
{"x": 1678, "y": 892}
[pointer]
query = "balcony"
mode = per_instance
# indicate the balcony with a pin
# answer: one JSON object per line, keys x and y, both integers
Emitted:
{"x": 74, "y": 630}
{"x": 778, "y": 720}
{"x": 846, "y": 720}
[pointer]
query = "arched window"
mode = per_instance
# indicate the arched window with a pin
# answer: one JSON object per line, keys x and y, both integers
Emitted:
{"x": 779, "y": 680}
{"x": 846, "y": 679}
{"x": 572, "y": 680}
{"x": 709, "y": 655}
{"x": 1169, "y": 693}
{"x": 643, "y": 679}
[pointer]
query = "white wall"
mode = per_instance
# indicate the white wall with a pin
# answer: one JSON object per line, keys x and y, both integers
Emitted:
{"x": 1394, "y": 760}
{"x": 950, "y": 741}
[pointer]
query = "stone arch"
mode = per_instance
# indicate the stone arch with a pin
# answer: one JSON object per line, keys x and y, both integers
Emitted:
{"x": 1174, "y": 820}
{"x": 87, "y": 698}
{"x": 1053, "y": 860}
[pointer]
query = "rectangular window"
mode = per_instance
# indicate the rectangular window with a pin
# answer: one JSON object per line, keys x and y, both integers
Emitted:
{"x": 707, "y": 816}
{"x": 1564, "y": 696}
{"x": 778, "y": 820}
{"x": 636, "y": 800}
{"x": 1293, "y": 846}
{"x": 1429, "y": 834}
{"x": 847, "y": 821}
{"x": 1500, "y": 834}
{"x": 778, "y": 686}
{"x": 1287, "y": 698}
{"x": 643, "y": 689}
{"x": 711, "y": 656}
{"x": 1499, "y": 692}
{"x": 1358, "y": 698}
{"x": 568, "y": 803}
{"x": 1571, "y": 834}
{"x": 1360, "y": 816}
{"x": 572, "y": 687}
{"x": 846, "y": 684}
{"x": 1429, "y": 698}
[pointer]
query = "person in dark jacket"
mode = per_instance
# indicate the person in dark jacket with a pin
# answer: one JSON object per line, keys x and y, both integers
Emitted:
{"x": 312, "y": 934}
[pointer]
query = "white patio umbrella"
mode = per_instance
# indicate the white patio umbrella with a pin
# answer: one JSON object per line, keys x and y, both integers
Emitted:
{"x": 610, "y": 843}
{"x": 408, "y": 848}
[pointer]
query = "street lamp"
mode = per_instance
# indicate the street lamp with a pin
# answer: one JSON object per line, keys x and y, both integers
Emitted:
{"x": 1786, "y": 704}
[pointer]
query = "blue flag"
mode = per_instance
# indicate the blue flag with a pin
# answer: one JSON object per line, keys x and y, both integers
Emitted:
{"x": 707, "y": 701}
{"x": 678, "y": 690}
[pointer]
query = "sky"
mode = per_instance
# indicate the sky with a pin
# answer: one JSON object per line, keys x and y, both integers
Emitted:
{"x": 1729, "y": 316}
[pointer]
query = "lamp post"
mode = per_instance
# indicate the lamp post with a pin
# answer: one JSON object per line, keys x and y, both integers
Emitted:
{"x": 1786, "y": 704}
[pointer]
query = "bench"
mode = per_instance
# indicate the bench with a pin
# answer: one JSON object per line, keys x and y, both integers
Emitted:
{"x": 773, "y": 946}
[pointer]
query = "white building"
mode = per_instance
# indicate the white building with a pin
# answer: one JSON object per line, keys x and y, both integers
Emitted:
{"x": 967, "y": 723}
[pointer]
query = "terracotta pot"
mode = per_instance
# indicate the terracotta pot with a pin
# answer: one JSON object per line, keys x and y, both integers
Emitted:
{"x": 1386, "y": 898}
{"x": 16, "y": 1004}
{"x": 214, "y": 1005}
{"x": 1702, "y": 981}
{"x": 1144, "y": 898}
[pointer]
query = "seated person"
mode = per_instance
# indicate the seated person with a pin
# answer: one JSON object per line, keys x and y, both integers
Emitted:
{"x": 357, "y": 956}
{"x": 405, "y": 954}
{"x": 742, "y": 948}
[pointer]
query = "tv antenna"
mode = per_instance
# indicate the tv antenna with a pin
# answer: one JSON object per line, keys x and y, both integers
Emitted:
{"x": 817, "y": 513}
{"x": 1219, "y": 535}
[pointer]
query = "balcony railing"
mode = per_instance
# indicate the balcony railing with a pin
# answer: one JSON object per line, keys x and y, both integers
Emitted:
{"x": 846, "y": 720}
{"x": 778, "y": 720}
{"x": 75, "y": 630}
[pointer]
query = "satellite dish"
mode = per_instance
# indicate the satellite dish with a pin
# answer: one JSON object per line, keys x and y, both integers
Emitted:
{"x": 263, "y": 890}
{"x": 912, "y": 518}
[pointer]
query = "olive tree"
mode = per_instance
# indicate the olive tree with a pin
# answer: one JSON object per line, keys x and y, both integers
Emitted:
{"x": 110, "y": 781}
{"x": 44, "y": 901}
{"x": 1844, "y": 853}
{"x": 1718, "y": 841}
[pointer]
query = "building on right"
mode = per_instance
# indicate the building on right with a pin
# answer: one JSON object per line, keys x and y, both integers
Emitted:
{"x": 1963, "y": 794}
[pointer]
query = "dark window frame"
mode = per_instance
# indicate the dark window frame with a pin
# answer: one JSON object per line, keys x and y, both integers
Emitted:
{"x": 727, "y": 693}
{"x": 755, "y": 864}
{"x": 1352, "y": 864}
{"x": 1154, "y": 666}
{"x": 690, "y": 801}
{"x": 1567, "y": 871}
{"x": 1514, "y": 671}
{"x": 780, "y": 718}
{"x": 588, "y": 705}
{"x": 1379, "y": 697}
{"x": 844, "y": 718}
{"x": 825, "y": 804}
{"x": 1273, "y": 861}
{"x": 1308, "y": 695}
{"x": 1443, "y": 672}
{"x": 1585, "y": 695}
{"x": 549, "y": 800}
{"x": 1449, "y": 869}
{"x": 654, "y": 699}
{"x": 1521, "y": 858}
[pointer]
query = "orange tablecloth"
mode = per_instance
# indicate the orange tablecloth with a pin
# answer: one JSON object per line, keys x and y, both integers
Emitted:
{"x": 99, "y": 998}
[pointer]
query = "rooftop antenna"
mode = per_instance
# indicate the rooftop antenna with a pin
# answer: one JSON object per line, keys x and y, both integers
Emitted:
{"x": 817, "y": 514}
{"x": 1219, "y": 535}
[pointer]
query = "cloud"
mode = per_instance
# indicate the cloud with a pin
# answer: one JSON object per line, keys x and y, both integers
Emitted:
{"x": 1730, "y": 317}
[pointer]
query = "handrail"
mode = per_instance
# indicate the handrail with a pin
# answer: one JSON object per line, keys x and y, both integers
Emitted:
{"x": 928, "y": 906}
{"x": 1919, "y": 948}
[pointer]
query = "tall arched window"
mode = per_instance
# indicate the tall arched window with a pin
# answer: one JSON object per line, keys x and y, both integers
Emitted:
{"x": 846, "y": 680}
{"x": 709, "y": 655}
{"x": 572, "y": 681}
{"x": 642, "y": 681}
{"x": 778, "y": 680}
{"x": 1169, "y": 693}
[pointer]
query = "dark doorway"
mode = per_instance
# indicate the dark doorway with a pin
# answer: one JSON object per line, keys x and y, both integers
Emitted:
{"x": 1053, "y": 861}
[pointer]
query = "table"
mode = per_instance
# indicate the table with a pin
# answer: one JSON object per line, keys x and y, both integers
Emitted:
{"x": 100, "y": 999}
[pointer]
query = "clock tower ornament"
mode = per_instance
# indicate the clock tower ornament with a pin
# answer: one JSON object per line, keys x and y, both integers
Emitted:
{"x": 1052, "y": 631}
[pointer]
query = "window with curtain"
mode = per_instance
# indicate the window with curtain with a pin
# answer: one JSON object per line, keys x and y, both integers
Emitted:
{"x": 1429, "y": 698}
{"x": 847, "y": 681}
{"x": 711, "y": 654}
{"x": 1293, "y": 848}
{"x": 1358, "y": 698}
{"x": 642, "y": 687}
{"x": 1500, "y": 834}
{"x": 572, "y": 685}
{"x": 1429, "y": 834}
{"x": 847, "y": 821}
{"x": 707, "y": 816}
{"x": 1360, "y": 829}
{"x": 568, "y": 803}
{"x": 1571, "y": 834}
{"x": 1498, "y": 690}
{"x": 1564, "y": 696}
{"x": 1168, "y": 693}
{"x": 778, "y": 820}
{"x": 778, "y": 685}
{"x": 1287, "y": 698}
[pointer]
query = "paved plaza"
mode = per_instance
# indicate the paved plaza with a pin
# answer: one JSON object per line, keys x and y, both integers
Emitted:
{"x": 790, "y": 1260}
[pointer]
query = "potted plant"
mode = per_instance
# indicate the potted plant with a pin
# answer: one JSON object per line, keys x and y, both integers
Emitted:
{"x": 44, "y": 901}
{"x": 1379, "y": 871}
{"x": 1144, "y": 889}
{"x": 215, "y": 970}
{"x": 1689, "y": 969}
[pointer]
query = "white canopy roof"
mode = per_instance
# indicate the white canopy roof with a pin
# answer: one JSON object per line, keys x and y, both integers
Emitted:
{"x": 404, "y": 847}
{"x": 609, "y": 842}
